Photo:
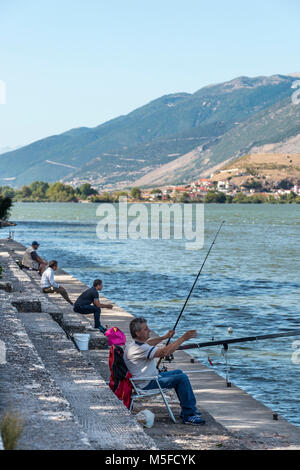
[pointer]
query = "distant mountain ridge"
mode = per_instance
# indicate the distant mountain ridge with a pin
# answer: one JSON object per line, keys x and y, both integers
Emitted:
{"x": 171, "y": 139}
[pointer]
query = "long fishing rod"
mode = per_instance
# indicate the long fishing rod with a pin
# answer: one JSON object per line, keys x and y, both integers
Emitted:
{"x": 244, "y": 339}
{"x": 240, "y": 340}
{"x": 187, "y": 299}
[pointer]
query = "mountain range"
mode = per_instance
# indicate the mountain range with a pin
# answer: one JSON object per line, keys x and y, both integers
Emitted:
{"x": 173, "y": 139}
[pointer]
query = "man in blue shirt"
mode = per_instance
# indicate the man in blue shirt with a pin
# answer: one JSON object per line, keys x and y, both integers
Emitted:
{"x": 88, "y": 302}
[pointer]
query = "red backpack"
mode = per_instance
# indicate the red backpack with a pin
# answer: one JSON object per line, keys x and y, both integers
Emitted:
{"x": 119, "y": 375}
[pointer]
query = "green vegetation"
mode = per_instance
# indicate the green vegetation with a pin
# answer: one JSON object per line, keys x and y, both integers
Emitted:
{"x": 184, "y": 197}
{"x": 11, "y": 428}
{"x": 85, "y": 190}
{"x": 253, "y": 184}
{"x": 136, "y": 193}
{"x": 40, "y": 191}
{"x": 242, "y": 198}
{"x": 156, "y": 191}
{"x": 109, "y": 197}
{"x": 5, "y": 206}
{"x": 215, "y": 196}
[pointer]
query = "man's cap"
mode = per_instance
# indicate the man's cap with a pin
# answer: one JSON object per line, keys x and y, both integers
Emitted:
{"x": 35, "y": 243}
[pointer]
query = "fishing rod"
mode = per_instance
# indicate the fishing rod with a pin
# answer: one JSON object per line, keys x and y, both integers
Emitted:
{"x": 170, "y": 357}
{"x": 244, "y": 339}
{"x": 240, "y": 340}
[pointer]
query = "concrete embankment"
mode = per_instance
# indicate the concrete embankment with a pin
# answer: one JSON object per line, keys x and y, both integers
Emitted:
{"x": 62, "y": 394}
{"x": 63, "y": 401}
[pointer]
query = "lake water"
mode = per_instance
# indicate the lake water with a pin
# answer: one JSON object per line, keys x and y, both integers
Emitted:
{"x": 250, "y": 283}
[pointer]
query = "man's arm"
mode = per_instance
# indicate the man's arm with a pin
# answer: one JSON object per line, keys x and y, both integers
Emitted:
{"x": 51, "y": 279}
{"x": 155, "y": 341}
{"x": 41, "y": 260}
{"x": 37, "y": 258}
{"x": 166, "y": 350}
{"x": 98, "y": 304}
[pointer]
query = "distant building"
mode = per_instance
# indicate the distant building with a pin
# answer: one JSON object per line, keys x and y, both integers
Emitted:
{"x": 221, "y": 186}
{"x": 296, "y": 189}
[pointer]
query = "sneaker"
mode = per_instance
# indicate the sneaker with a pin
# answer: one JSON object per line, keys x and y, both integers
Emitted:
{"x": 194, "y": 419}
{"x": 102, "y": 329}
{"x": 197, "y": 413}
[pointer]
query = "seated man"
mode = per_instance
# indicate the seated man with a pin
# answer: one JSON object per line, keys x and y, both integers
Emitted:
{"x": 88, "y": 302}
{"x": 140, "y": 360}
{"x": 31, "y": 260}
{"x": 49, "y": 285}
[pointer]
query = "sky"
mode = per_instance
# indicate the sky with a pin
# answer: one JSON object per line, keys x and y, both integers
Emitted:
{"x": 70, "y": 63}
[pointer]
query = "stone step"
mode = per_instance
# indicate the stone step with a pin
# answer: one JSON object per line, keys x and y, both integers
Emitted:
{"x": 106, "y": 421}
{"x": 70, "y": 321}
{"x": 100, "y": 420}
{"x": 28, "y": 388}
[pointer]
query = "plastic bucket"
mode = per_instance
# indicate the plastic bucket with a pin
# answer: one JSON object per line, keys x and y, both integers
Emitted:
{"x": 145, "y": 417}
{"x": 82, "y": 341}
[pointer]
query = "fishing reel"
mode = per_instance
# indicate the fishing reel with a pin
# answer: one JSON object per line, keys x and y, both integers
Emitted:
{"x": 169, "y": 358}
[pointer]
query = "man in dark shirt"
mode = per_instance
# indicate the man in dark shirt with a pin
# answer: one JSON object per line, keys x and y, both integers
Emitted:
{"x": 88, "y": 302}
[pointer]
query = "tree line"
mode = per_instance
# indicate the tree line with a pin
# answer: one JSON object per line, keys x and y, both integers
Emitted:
{"x": 40, "y": 191}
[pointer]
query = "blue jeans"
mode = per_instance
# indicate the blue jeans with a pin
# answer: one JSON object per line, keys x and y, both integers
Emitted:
{"x": 180, "y": 381}
{"x": 85, "y": 309}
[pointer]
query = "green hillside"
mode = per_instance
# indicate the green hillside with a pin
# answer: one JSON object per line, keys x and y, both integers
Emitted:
{"x": 130, "y": 146}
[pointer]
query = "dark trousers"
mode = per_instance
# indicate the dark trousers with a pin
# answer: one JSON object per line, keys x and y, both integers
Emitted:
{"x": 58, "y": 290}
{"x": 85, "y": 309}
{"x": 180, "y": 382}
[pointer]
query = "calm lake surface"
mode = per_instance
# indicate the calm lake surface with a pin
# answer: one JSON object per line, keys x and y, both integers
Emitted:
{"x": 250, "y": 283}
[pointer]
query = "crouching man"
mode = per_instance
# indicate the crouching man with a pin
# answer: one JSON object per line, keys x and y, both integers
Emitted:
{"x": 88, "y": 302}
{"x": 140, "y": 359}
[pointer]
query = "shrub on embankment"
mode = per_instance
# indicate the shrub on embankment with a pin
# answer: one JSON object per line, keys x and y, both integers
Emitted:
{"x": 11, "y": 427}
{"x": 5, "y": 206}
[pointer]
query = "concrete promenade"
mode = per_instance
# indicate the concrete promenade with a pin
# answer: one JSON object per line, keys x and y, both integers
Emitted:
{"x": 235, "y": 420}
{"x": 63, "y": 401}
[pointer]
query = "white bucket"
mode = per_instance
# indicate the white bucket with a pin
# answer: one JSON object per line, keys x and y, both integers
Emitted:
{"x": 145, "y": 417}
{"x": 82, "y": 341}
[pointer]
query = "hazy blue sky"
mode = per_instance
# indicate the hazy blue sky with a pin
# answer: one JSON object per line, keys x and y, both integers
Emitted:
{"x": 72, "y": 63}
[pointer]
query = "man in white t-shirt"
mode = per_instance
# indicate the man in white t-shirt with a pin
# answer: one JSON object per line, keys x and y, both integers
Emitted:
{"x": 49, "y": 285}
{"x": 140, "y": 359}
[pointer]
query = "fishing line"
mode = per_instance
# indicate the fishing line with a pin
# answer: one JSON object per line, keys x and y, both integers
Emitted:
{"x": 170, "y": 357}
